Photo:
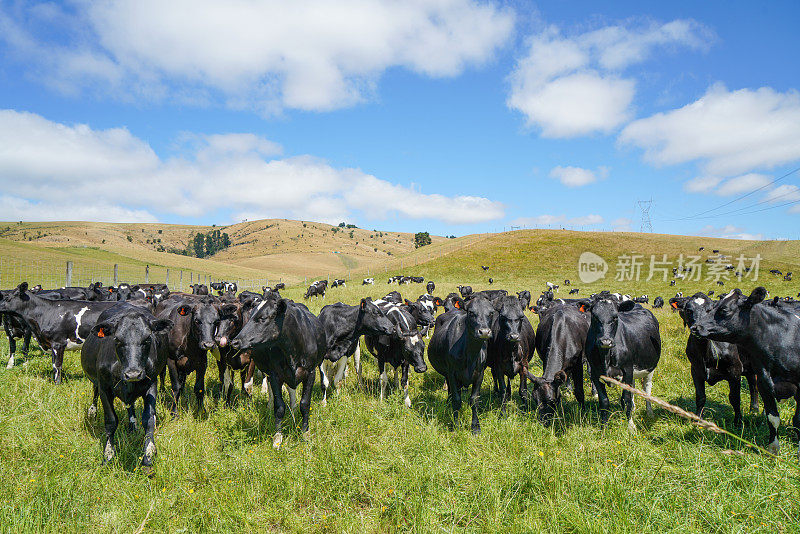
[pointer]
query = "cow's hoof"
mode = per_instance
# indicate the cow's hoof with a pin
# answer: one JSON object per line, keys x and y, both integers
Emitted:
{"x": 10, "y": 362}
{"x": 631, "y": 426}
{"x": 476, "y": 430}
{"x": 774, "y": 447}
{"x": 277, "y": 440}
{"x": 92, "y": 411}
{"x": 323, "y": 402}
{"x": 408, "y": 402}
{"x": 108, "y": 453}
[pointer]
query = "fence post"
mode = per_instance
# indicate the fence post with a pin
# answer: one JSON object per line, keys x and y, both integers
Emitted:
{"x": 146, "y": 274}
{"x": 180, "y": 278}
{"x": 166, "y": 280}
{"x": 191, "y": 275}
{"x": 116, "y": 274}
{"x": 69, "y": 274}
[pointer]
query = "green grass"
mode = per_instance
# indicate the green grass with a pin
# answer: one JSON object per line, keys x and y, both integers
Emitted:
{"x": 379, "y": 467}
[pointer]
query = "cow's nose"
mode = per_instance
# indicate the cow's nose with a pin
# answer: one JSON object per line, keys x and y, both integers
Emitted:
{"x": 420, "y": 368}
{"x": 133, "y": 375}
{"x": 484, "y": 333}
{"x": 606, "y": 342}
{"x": 222, "y": 341}
{"x": 206, "y": 345}
{"x": 514, "y": 337}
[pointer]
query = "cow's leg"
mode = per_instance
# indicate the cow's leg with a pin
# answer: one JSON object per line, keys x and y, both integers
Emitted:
{"x": 111, "y": 422}
{"x": 58, "y": 362}
{"x": 796, "y": 419}
{"x": 500, "y": 389}
{"x": 397, "y": 378}
{"x": 357, "y": 363}
{"x": 735, "y": 396}
{"x": 602, "y": 394}
{"x": 323, "y": 383}
{"x": 698, "y": 370}
{"x": 26, "y": 341}
{"x": 200, "y": 382}
{"x": 225, "y": 379}
{"x": 627, "y": 399}
{"x": 93, "y": 407}
{"x": 12, "y": 344}
{"x": 647, "y": 385}
{"x": 131, "y": 409}
{"x": 384, "y": 378}
{"x": 280, "y": 409}
{"x": 340, "y": 372}
{"x": 292, "y": 397}
{"x": 753, "y": 387}
{"x": 577, "y": 385}
{"x": 149, "y": 424}
{"x": 265, "y": 387}
{"x": 473, "y": 402}
{"x": 523, "y": 385}
{"x": 163, "y": 381}
{"x": 247, "y": 378}
{"x": 404, "y": 380}
{"x": 767, "y": 390}
{"x": 305, "y": 399}
{"x": 455, "y": 398}
{"x": 176, "y": 380}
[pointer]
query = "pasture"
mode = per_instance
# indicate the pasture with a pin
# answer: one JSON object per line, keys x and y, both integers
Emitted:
{"x": 368, "y": 466}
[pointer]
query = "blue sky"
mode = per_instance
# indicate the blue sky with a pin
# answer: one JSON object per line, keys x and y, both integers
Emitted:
{"x": 452, "y": 116}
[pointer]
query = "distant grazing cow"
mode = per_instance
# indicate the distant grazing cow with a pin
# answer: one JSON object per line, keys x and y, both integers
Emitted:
{"x": 641, "y": 300}
{"x": 279, "y": 286}
{"x": 199, "y": 289}
{"x": 491, "y": 281}
{"x": 552, "y": 287}
{"x": 58, "y": 325}
{"x": 430, "y": 287}
{"x": 465, "y": 291}
{"x": 770, "y": 334}
{"x": 485, "y": 267}
{"x": 714, "y": 361}
{"x": 560, "y": 339}
{"x": 658, "y": 302}
{"x": 290, "y": 344}
{"x": 337, "y": 282}
{"x": 219, "y": 287}
{"x": 122, "y": 357}
{"x": 458, "y": 351}
{"x": 623, "y": 342}
{"x": 720, "y": 283}
{"x": 316, "y": 289}
{"x": 510, "y": 346}
{"x": 367, "y": 281}
{"x": 574, "y": 291}
{"x": 566, "y": 282}
{"x": 417, "y": 279}
{"x": 672, "y": 282}
{"x": 787, "y": 277}
{"x": 715, "y": 251}
{"x": 702, "y": 249}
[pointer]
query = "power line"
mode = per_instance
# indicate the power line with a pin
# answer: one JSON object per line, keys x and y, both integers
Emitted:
{"x": 737, "y": 199}
{"x": 765, "y": 201}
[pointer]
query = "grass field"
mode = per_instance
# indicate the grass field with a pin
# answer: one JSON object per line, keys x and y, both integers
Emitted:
{"x": 380, "y": 467}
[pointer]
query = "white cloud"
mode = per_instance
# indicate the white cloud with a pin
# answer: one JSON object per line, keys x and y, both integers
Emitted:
{"x": 783, "y": 193}
{"x": 571, "y": 86}
{"x": 727, "y": 132}
{"x": 729, "y": 232}
{"x": 742, "y": 184}
{"x": 558, "y": 220}
{"x": 122, "y": 175}
{"x": 586, "y": 220}
{"x": 702, "y": 184}
{"x": 269, "y": 55}
{"x": 577, "y": 176}
{"x": 623, "y": 224}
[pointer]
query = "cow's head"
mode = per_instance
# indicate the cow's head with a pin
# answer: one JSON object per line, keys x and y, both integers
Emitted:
{"x": 547, "y": 395}
{"x": 205, "y": 320}
{"x": 422, "y": 314}
{"x": 604, "y": 311}
{"x": 373, "y": 319}
{"x": 728, "y": 318}
{"x": 15, "y": 298}
{"x": 134, "y": 337}
{"x": 230, "y": 321}
{"x": 265, "y": 324}
{"x": 481, "y": 315}
{"x": 524, "y": 297}
{"x": 511, "y": 315}
{"x": 413, "y": 345}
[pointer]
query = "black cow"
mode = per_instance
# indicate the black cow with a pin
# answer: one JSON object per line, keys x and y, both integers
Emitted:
{"x": 233, "y": 314}
{"x": 623, "y": 341}
{"x": 465, "y": 291}
{"x": 289, "y": 344}
{"x": 485, "y": 267}
{"x": 195, "y": 319}
{"x": 510, "y": 347}
{"x": 714, "y": 361}
{"x": 658, "y": 302}
{"x": 770, "y": 334}
{"x": 560, "y": 341}
{"x": 524, "y": 297}
{"x": 566, "y": 282}
{"x": 344, "y": 325}
{"x": 199, "y": 289}
{"x": 394, "y": 297}
{"x": 58, "y": 325}
{"x": 122, "y": 357}
{"x": 422, "y": 314}
{"x": 430, "y": 287}
{"x": 401, "y": 350}
{"x": 574, "y": 291}
{"x": 458, "y": 351}
{"x": 491, "y": 281}
{"x": 451, "y": 302}
{"x": 490, "y": 294}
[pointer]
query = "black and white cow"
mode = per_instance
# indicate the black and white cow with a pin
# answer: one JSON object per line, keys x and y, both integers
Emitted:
{"x": 552, "y": 287}
{"x": 644, "y": 299}
{"x": 574, "y": 291}
{"x": 337, "y": 282}
{"x": 458, "y": 351}
{"x": 623, "y": 342}
{"x": 402, "y": 349}
{"x": 560, "y": 341}
{"x": 316, "y": 289}
{"x": 58, "y": 325}
{"x": 430, "y": 287}
{"x": 199, "y": 289}
{"x": 344, "y": 325}
{"x": 658, "y": 302}
{"x": 770, "y": 334}
{"x": 123, "y": 357}
{"x": 485, "y": 267}
{"x": 368, "y": 281}
{"x": 714, "y": 361}
{"x": 289, "y": 346}
{"x": 16, "y": 328}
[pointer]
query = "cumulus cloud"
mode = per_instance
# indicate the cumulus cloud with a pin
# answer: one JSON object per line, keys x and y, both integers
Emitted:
{"x": 726, "y": 132}
{"x": 783, "y": 193}
{"x": 702, "y": 184}
{"x": 623, "y": 224}
{"x": 577, "y": 176}
{"x": 729, "y": 232}
{"x": 572, "y": 86}
{"x": 40, "y": 159}
{"x": 269, "y": 55}
{"x": 742, "y": 184}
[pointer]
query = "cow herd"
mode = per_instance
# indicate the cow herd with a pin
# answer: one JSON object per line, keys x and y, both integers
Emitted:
{"x": 130, "y": 337}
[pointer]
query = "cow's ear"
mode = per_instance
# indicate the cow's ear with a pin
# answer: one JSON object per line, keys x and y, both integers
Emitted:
{"x": 674, "y": 304}
{"x": 22, "y": 288}
{"x": 584, "y": 305}
{"x": 627, "y": 306}
{"x": 184, "y": 310}
{"x": 228, "y": 309}
{"x": 757, "y": 296}
{"x": 363, "y": 304}
{"x": 103, "y": 330}
{"x": 560, "y": 378}
{"x": 161, "y": 326}
{"x": 281, "y": 307}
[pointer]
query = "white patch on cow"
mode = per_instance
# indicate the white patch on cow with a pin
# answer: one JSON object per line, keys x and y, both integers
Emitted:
{"x": 265, "y": 389}
{"x": 384, "y": 381}
{"x": 414, "y": 338}
{"x": 640, "y": 373}
{"x": 92, "y": 411}
{"x": 248, "y": 386}
{"x": 108, "y": 453}
{"x": 150, "y": 450}
{"x": 260, "y": 305}
{"x": 631, "y": 425}
{"x": 699, "y": 301}
{"x": 407, "y": 399}
{"x": 774, "y": 421}
{"x": 78, "y": 323}
{"x": 325, "y": 382}
{"x": 277, "y": 440}
{"x": 10, "y": 361}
